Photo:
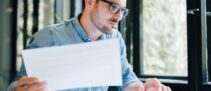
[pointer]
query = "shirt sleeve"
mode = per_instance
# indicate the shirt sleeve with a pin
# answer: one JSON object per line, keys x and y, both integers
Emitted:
{"x": 43, "y": 38}
{"x": 12, "y": 86}
{"x": 128, "y": 76}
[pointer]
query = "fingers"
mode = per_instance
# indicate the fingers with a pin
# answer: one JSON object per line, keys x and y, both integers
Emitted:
{"x": 39, "y": 86}
{"x": 152, "y": 82}
{"x": 155, "y": 85}
{"x": 27, "y": 80}
{"x": 165, "y": 88}
{"x": 168, "y": 88}
{"x": 135, "y": 86}
{"x": 30, "y": 84}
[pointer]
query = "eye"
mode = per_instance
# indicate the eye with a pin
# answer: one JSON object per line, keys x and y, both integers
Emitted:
{"x": 123, "y": 11}
{"x": 114, "y": 8}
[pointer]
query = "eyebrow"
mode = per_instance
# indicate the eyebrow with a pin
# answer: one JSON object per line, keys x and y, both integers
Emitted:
{"x": 113, "y": 2}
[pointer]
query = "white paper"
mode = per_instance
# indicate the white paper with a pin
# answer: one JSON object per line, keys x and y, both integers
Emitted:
{"x": 76, "y": 66}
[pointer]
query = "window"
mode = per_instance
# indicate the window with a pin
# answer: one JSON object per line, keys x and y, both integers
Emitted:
{"x": 164, "y": 37}
{"x": 32, "y": 16}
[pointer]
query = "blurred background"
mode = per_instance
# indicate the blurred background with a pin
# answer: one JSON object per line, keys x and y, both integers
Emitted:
{"x": 165, "y": 39}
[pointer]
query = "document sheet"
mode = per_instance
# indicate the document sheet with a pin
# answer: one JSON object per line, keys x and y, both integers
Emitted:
{"x": 76, "y": 66}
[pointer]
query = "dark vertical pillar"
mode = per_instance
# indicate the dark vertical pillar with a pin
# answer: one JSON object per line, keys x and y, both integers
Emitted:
{"x": 194, "y": 45}
{"x": 35, "y": 16}
{"x": 72, "y": 8}
{"x": 8, "y": 25}
{"x": 136, "y": 30}
{"x": 209, "y": 36}
{"x": 13, "y": 21}
{"x": 25, "y": 22}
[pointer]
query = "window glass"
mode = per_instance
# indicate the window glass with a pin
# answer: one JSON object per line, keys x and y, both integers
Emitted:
{"x": 164, "y": 38}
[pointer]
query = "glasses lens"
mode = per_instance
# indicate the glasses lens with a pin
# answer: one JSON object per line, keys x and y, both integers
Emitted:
{"x": 125, "y": 12}
{"x": 114, "y": 8}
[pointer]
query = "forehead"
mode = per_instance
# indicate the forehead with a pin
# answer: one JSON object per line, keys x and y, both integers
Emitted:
{"x": 119, "y": 2}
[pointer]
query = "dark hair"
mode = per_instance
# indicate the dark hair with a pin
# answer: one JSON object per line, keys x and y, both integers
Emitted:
{"x": 97, "y": 1}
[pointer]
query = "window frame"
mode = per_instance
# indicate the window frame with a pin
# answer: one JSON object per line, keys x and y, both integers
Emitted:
{"x": 197, "y": 64}
{"x": 209, "y": 37}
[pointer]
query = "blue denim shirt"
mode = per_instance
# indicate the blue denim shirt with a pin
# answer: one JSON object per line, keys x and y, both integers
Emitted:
{"x": 71, "y": 32}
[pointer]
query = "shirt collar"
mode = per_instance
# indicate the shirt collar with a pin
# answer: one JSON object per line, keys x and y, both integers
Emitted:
{"x": 82, "y": 34}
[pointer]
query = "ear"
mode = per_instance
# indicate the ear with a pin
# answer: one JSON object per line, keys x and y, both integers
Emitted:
{"x": 90, "y": 3}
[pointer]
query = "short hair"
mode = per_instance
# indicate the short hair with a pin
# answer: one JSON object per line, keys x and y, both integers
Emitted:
{"x": 97, "y": 1}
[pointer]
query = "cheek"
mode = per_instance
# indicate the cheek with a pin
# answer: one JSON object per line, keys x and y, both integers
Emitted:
{"x": 96, "y": 17}
{"x": 101, "y": 19}
{"x": 104, "y": 15}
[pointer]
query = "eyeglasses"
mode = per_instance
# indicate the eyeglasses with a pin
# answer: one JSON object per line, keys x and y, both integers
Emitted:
{"x": 115, "y": 8}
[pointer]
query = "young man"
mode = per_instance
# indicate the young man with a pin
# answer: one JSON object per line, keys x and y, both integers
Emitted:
{"x": 97, "y": 22}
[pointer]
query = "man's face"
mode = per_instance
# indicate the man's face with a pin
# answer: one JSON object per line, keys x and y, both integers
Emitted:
{"x": 107, "y": 14}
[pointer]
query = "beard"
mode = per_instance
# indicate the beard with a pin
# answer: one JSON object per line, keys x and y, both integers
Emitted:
{"x": 106, "y": 30}
{"x": 109, "y": 29}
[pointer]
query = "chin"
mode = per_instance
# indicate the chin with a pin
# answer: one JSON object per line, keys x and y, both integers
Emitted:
{"x": 108, "y": 30}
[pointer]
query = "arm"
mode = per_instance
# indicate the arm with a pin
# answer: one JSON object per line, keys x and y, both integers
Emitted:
{"x": 131, "y": 82}
{"x": 41, "y": 39}
{"x": 128, "y": 76}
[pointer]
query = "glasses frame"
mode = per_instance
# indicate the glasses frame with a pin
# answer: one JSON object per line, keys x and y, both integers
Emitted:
{"x": 124, "y": 11}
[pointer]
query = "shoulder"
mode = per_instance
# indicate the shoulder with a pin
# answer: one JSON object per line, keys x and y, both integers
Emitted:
{"x": 46, "y": 36}
{"x": 117, "y": 35}
{"x": 60, "y": 27}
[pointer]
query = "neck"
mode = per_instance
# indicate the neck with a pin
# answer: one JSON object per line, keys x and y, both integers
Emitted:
{"x": 88, "y": 26}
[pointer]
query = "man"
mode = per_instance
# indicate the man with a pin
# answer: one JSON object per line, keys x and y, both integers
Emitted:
{"x": 97, "y": 22}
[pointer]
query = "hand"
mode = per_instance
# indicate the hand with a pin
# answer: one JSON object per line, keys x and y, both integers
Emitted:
{"x": 30, "y": 84}
{"x": 135, "y": 86}
{"x": 155, "y": 85}
{"x": 149, "y": 85}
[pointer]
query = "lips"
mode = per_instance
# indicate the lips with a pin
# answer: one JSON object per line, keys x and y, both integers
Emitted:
{"x": 113, "y": 24}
